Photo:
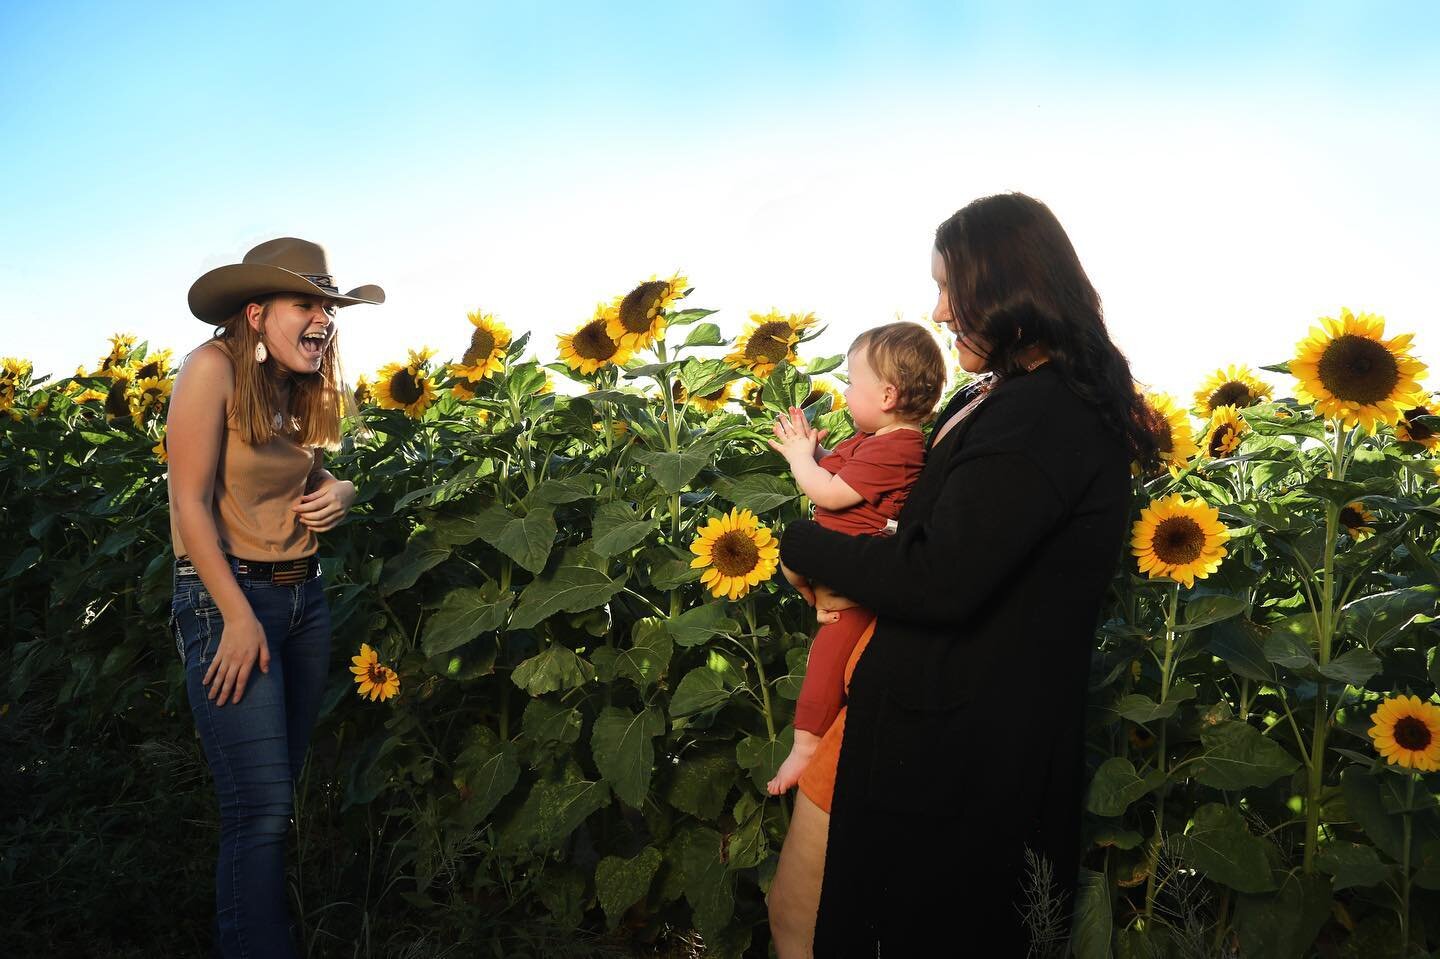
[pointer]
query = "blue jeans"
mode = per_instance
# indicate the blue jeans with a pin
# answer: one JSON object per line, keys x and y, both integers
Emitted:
{"x": 256, "y": 748}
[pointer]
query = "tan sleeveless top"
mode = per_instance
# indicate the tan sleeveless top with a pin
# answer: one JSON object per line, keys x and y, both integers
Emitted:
{"x": 255, "y": 486}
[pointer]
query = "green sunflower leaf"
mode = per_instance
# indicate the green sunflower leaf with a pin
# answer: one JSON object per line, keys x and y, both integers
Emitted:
{"x": 620, "y": 883}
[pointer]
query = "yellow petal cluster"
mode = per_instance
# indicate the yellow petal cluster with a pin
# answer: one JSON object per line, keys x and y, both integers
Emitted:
{"x": 1352, "y": 373}
{"x": 1406, "y": 731}
{"x": 1179, "y": 539}
{"x": 375, "y": 681}
{"x": 736, "y": 552}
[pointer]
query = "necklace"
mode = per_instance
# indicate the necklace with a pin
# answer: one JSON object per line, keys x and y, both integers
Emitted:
{"x": 279, "y": 421}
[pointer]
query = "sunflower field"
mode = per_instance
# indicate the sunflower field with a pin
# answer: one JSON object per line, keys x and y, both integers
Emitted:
{"x": 573, "y": 666}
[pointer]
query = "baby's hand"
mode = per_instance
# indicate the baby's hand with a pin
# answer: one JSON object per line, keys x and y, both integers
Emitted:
{"x": 795, "y": 437}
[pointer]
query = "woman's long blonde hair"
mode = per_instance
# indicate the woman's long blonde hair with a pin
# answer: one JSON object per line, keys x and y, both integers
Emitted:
{"x": 317, "y": 400}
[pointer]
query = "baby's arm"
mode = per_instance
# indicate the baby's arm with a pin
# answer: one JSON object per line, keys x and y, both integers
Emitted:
{"x": 795, "y": 441}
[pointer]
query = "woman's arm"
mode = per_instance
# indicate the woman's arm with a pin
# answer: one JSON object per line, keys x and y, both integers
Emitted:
{"x": 993, "y": 510}
{"x": 194, "y": 430}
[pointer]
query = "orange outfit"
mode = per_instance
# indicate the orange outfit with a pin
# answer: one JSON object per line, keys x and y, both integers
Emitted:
{"x": 817, "y": 782}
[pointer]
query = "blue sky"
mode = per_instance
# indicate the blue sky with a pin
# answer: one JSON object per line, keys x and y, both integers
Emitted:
{"x": 1228, "y": 173}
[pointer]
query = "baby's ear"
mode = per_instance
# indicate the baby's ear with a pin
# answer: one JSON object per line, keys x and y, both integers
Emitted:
{"x": 890, "y": 398}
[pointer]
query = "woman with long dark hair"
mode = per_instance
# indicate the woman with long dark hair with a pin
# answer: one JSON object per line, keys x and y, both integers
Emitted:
{"x": 253, "y": 409}
{"x": 960, "y": 776}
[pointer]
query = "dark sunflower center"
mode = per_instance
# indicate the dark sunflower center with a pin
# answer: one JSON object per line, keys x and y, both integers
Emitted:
{"x": 1411, "y": 733}
{"x": 482, "y": 344}
{"x": 378, "y": 674}
{"x": 117, "y": 401}
{"x": 1358, "y": 370}
{"x": 716, "y": 396}
{"x": 148, "y": 370}
{"x": 1222, "y": 439}
{"x": 405, "y": 387}
{"x": 1165, "y": 437}
{"x": 1179, "y": 540}
{"x": 592, "y": 343}
{"x": 770, "y": 342}
{"x": 1417, "y": 430}
{"x": 735, "y": 553}
{"x": 1352, "y": 517}
{"x": 638, "y": 306}
{"x": 1232, "y": 394}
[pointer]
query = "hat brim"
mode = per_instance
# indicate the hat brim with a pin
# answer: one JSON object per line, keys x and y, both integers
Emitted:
{"x": 217, "y": 295}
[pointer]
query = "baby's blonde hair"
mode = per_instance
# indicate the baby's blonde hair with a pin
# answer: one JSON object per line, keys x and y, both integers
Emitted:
{"x": 905, "y": 356}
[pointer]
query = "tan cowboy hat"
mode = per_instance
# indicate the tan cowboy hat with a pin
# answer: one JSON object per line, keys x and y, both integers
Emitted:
{"x": 284, "y": 265}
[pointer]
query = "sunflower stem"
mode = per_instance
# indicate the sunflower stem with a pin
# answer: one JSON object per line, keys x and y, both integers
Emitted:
{"x": 1405, "y": 867}
{"x": 1160, "y": 757}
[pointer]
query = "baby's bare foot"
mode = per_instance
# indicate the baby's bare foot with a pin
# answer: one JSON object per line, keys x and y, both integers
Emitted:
{"x": 795, "y": 764}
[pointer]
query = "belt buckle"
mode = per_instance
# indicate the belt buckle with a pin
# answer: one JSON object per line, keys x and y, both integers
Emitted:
{"x": 289, "y": 573}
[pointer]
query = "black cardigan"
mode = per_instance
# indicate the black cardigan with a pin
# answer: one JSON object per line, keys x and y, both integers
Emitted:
{"x": 963, "y": 742}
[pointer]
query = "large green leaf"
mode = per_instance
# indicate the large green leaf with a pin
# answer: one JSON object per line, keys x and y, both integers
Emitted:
{"x": 488, "y": 771}
{"x": 547, "y": 721}
{"x": 748, "y": 846}
{"x": 705, "y": 334}
{"x": 701, "y": 782}
{"x": 1204, "y": 610}
{"x": 1090, "y": 937}
{"x": 557, "y": 667}
{"x": 1378, "y": 620}
{"x": 709, "y": 886}
{"x": 465, "y": 613}
{"x": 579, "y": 583}
{"x": 554, "y": 808}
{"x": 422, "y": 552}
{"x": 617, "y": 527}
{"x": 762, "y": 757}
{"x": 525, "y": 539}
{"x": 1365, "y": 805}
{"x": 1220, "y": 845}
{"x": 674, "y": 471}
{"x": 1238, "y": 757}
{"x": 1354, "y": 667}
{"x": 1284, "y": 926}
{"x": 620, "y": 744}
{"x": 701, "y": 689}
{"x": 568, "y": 489}
{"x": 785, "y": 387}
{"x": 620, "y": 883}
{"x": 703, "y": 377}
{"x": 644, "y": 661}
{"x": 757, "y": 492}
{"x": 1116, "y": 785}
{"x": 1240, "y": 643}
{"x": 1290, "y": 643}
{"x": 699, "y": 623}
{"x": 1353, "y": 865}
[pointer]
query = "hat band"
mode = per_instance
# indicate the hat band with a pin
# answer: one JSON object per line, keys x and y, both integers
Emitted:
{"x": 323, "y": 280}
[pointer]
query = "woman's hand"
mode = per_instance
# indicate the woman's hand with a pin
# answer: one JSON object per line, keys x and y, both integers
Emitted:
{"x": 242, "y": 642}
{"x": 325, "y": 507}
{"x": 799, "y": 582}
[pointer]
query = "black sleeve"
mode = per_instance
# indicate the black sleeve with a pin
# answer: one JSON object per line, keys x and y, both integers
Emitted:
{"x": 992, "y": 511}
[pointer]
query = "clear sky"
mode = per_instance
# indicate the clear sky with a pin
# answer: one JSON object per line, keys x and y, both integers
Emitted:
{"x": 1228, "y": 171}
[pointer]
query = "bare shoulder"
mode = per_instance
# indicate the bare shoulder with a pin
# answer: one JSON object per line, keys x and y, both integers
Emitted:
{"x": 209, "y": 365}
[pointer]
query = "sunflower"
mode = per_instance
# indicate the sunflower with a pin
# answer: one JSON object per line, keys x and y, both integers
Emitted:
{"x": 406, "y": 386}
{"x": 154, "y": 392}
{"x": 1179, "y": 539}
{"x": 155, "y": 365}
{"x": 118, "y": 399}
{"x": 591, "y": 346}
{"x": 706, "y": 402}
{"x": 819, "y": 388}
{"x": 374, "y": 680}
{"x": 1235, "y": 386}
{"x": 1407, "y": 733}
{"x": 462, "y": 388}
{"x": 1358, "y": 521}
{"x": 485, "y": 355}
{"x": 736, "y": 553}
{"x": 547, "y": 387}
{"x": 121, "y": 346}
{"x": 1352, "y": 373}
{"x": 637, "y": 319}
{"x": 1176, "y": 440}
{"x": 161, "y": 453}
{"x": 769, "y": 340}
{"x": 1223, "y": 435}
{"x": 363, "y": 395}
{"x": 12, "y": 374}
{"x": 750, "y": 394}
{"x": 1410, "y": 430}
{"x": 618, "y": 428}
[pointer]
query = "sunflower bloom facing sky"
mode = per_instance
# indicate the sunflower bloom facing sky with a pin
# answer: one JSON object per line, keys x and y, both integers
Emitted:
{"x": 736, "y": 553}
{"x": 1176, "y": 440}
{"x": 637, "y": 319}
{"x": 406, "y": 386}
{"x": 1236, "y": 386}
{"x": 1179, "y": 539}
{"x": 485, "y": 356}
{"x": 1223, "y": 435}
{"x": 375, "y": 681}
{"x": 592, "y": 346}
{"x": 1406, "y": 732}
{"x": 1409, "y": 429}
{"x": 769, "y": 340}
{"x": 1358, "y": 521}
{"x": 1352, "y": 373}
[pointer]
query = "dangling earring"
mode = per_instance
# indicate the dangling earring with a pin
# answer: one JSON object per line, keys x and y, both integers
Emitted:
{"x": 261, "y": 354}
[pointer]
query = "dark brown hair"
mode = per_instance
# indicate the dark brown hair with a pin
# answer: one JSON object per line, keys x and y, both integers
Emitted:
{"x": 906, "y": 356}
{"x": 1014, "y": 279}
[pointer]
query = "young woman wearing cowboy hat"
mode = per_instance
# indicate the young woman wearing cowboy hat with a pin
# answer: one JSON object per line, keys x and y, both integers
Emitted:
{"x": 251, "y": 411}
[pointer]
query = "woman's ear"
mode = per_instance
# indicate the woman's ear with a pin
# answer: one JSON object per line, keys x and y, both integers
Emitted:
{"x": 255, "y": 315}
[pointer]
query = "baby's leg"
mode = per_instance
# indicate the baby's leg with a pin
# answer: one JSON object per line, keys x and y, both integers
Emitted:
{"x": 822, "y": 693}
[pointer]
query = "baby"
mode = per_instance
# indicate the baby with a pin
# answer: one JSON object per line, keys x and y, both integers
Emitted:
{"x": 897, "y": 373}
